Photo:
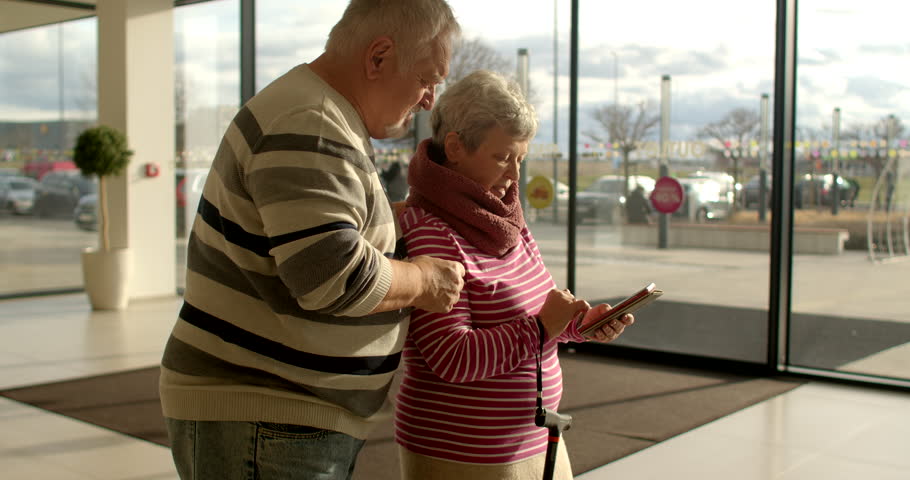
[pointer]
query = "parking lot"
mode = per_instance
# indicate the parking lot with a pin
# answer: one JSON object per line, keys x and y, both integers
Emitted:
{"x": 846, "y": 308}
{"x": 43, "y": 254}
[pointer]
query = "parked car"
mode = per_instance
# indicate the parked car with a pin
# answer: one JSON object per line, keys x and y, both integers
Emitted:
{"x": 750, "y": 192}
{"x": 40, "y": 169}
{"x": 17, "y": 194}
{"x": 708, "y": 196}
{"x": 60, "y": 190}
{"x": 188, "y": 191}
{"x": 86, "y": 212}
{"x": 815, "y": 189}
{"x": 604, "y": 199}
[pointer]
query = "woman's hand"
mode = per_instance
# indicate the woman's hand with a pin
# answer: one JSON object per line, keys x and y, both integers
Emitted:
{"x": 558, "y": 310}
{"x": 611, "y": 330}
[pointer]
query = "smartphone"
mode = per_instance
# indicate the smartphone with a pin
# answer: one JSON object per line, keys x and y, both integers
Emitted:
{"x": 637, "y": 300}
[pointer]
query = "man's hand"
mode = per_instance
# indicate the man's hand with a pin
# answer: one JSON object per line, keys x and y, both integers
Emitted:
{"x": 425, "y": 282}
{"x": 441, "y": 282}
{"x": 398, "y": 208}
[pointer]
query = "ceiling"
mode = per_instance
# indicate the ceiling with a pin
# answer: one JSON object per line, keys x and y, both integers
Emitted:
{"x": 19, "y": 14}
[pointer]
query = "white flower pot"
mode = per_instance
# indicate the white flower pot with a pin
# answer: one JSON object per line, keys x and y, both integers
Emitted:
{"x": 106, "y": 276}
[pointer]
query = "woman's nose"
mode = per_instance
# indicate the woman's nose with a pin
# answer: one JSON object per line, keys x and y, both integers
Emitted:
{"x": 514, "y": 169}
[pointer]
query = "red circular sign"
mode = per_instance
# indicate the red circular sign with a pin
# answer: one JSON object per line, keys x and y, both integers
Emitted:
{"x": 667, "y": 195}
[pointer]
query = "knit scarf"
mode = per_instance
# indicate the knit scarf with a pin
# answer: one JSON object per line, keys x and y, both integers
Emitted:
{"x": 491, "y": 224}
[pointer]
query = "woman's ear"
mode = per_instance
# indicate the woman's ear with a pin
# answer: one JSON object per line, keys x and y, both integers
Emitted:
{"x": 378, "y": 56}
{"x": 453, "y": 148}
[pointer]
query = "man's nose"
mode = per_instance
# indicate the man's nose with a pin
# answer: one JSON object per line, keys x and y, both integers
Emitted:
{"x": 429, "y": 98}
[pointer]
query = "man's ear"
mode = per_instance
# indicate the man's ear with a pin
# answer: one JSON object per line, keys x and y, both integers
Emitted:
{"x": 453, "y": 148}
{"x": 378, "y": 56}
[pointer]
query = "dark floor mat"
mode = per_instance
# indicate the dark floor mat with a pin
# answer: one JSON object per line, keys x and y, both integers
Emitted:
{"x": 618, "y": 407}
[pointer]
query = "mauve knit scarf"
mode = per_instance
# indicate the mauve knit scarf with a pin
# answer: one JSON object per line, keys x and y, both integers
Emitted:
{"x": 490, "y": 224}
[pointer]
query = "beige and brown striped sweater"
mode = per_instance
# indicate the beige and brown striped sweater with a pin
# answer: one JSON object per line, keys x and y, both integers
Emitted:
{"x": 287, "y": 255}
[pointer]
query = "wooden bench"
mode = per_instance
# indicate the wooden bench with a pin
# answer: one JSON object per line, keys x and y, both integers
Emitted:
{"x": 822, "y": 241}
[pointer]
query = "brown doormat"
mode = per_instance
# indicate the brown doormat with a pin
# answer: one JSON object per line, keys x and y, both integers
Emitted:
{"x": 618, "y": 407}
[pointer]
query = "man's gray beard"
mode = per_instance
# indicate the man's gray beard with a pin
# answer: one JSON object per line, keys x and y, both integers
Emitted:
{"x": 397, "y": 131}
{"x": 401, "y": 128}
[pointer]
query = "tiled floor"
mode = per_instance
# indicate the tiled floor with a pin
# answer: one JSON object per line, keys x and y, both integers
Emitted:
{"x": 817, "y": 431}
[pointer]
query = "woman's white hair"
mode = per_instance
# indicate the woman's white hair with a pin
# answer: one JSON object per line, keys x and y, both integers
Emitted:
{"x": 478, "y": 102}
{"x": 415, "y": 26}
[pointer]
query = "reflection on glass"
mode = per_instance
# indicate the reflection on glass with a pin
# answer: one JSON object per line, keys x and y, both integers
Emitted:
{"x": 849, "y": 310}
{"x": 291, "y": 32}
{"x": 660, "y": 96}
{"x": 207, "y": 90}
{"x": 534, "y": 52}
{"x": 48, "y": 97}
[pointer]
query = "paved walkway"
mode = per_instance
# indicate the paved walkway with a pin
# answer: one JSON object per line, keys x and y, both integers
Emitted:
{"x": 44, "y": 255}
{"x": 845, "y": 285}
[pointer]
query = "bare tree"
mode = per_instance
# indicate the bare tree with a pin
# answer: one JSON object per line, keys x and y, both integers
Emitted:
{"x": 472, "y": 54}
{"x": 625, "y": 126}
{"x": 811, "y": 136}
{"x": 468, "y": 55}
{"x": 738, "y": 127}
{"x": 878, "y": 132}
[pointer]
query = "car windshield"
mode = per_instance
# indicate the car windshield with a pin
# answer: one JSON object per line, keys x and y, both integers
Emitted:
{"x": 20, "y": 185}
{"x": 608, "y": 187}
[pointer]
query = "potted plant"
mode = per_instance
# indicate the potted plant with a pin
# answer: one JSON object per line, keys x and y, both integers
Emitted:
{"x": 102, "y": 151}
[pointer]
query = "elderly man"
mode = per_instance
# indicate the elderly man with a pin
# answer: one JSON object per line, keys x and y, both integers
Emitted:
{"x": 296, "y": 303}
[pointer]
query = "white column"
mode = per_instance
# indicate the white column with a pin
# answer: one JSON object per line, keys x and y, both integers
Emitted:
{"x": 136, "y": 95}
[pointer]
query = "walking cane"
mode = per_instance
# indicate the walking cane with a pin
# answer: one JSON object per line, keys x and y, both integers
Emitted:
{"x": 556, "y": 423}
{"x": 552, "y": 420}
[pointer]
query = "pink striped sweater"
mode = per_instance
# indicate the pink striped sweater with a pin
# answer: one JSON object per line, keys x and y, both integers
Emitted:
{"x": 469, "y": 388}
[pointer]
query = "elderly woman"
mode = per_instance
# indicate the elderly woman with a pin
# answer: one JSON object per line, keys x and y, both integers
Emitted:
{"x": 468, "y": 395}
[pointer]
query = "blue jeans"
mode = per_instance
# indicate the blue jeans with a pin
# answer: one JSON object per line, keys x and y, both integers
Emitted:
{"x": 260, "y": 451}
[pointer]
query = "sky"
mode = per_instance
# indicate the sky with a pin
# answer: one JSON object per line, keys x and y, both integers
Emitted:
{"x": 719, "y": 55}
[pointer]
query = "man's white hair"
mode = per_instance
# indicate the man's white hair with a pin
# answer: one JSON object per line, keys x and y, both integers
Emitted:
{"x": 415, "y": 26}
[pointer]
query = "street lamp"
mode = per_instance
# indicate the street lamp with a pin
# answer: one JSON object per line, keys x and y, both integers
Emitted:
{"x": 835, "y": 161}
{"x": 763, "y": 159}
{"x": 555, "y": 112}
{"x": 615, "y": 80}
{"x": 664, "y": 218}
{"x": 523, "y": 82}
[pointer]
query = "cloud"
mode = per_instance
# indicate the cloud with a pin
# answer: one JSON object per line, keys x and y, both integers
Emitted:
{"x": 818, "y": 57}
{"x": 30, "y": 70}
{"x": 883, "y": 49}
{"x": 877, "y": 92}
{"x": 715, "y": 65}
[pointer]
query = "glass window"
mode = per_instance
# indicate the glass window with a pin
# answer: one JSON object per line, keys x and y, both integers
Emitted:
{"x": 50, "y": 81}
{"x": 534, "y": 51}
{"x": 291, "y": 32}
{"x": 207, "y": 91}
{"x": 662, "y": 96}
{"x": 851, "y": 188}
{"x": 48, "y": 97}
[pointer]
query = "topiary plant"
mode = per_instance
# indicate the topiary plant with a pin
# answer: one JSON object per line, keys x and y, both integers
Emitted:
{"x": 102, "y": 151}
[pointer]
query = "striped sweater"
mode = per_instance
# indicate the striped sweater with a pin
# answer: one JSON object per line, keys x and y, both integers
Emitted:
{"x": 288, "y": 253}
{"x": 468, "y": 393}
